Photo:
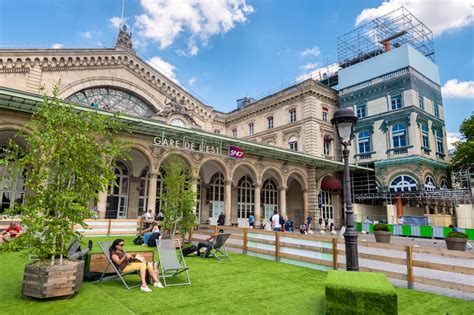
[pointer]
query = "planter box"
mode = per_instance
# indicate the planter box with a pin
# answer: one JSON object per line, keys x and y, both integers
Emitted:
{"x": 382, "y": 236}
{"x": 455, "y": 243}
{"x": 43, "y": 281}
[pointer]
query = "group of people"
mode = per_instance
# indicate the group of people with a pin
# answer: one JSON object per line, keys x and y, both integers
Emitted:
{"x": 278, "y": 223}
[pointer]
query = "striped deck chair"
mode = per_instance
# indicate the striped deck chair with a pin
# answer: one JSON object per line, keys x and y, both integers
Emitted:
{"x": 169, "y": 264}
{"x": 104, "y": 247}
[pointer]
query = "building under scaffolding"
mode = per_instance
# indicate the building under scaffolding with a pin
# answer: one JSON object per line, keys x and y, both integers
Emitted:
{"x": 391, "y": 30}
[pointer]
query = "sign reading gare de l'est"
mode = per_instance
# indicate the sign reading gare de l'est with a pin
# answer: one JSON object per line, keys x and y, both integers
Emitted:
{"x": 232, "y": 151}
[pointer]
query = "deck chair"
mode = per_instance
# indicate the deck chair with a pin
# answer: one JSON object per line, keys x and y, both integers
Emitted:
{"x": 218, "y": 249}
{"x": 104, "y": 247}
{"x": 169, "y": 264}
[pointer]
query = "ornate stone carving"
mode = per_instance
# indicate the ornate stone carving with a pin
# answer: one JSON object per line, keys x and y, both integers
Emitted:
{"x": 230, "y": 161}
{"x": 197, "y": 156}
{"x": 124, "y": 39}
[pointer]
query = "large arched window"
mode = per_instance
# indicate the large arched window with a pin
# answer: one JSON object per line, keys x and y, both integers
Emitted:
{"x": 429, "y": 184}
{"x": 269, "y": 197}
{"x": 113, "y": 99}
{"x": 216, "y": 195}
{"x": 399, "y": 136}
{"x": 245, "y": 197}
{"x": 402, "y": 183}
{"x": 364, "y": 142}
{"x": 117, "y": 198}
{"x": 12, "y": 190}
{"x": 444, "y": 185}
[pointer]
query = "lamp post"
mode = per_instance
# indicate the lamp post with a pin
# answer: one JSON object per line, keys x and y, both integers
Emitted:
{"x": 344, "y": 120}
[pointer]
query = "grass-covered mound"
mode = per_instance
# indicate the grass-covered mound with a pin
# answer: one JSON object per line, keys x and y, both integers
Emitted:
{"x": 359, "y": 293}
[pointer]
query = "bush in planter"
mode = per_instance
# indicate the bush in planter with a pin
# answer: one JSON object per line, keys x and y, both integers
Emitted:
{"x": 382, "y": 233}
{"x": 68, "y": 159}
{"x": 454, "y": 234}
{"x": 382, "y": 227}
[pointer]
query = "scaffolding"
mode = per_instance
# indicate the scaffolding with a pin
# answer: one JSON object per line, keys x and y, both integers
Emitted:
{"x": 381, "y": 34}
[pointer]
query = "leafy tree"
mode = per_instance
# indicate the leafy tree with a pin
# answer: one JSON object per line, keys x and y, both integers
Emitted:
{"x": 464, "y": 156}
{"x": 178, "y": 199}
{"x": 67, "y": 160}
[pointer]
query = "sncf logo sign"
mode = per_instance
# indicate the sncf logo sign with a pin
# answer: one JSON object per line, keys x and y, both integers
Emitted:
{"x": 236, "y": 152}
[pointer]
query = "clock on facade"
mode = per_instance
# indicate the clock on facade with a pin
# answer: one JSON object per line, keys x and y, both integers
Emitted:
{"x": 178, "y": 123}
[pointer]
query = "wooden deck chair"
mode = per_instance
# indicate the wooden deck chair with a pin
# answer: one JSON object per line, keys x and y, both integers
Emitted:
{"x": 218, "y": 249}
{"x": 169, "y": 264}
{"x": 104, "y": 247}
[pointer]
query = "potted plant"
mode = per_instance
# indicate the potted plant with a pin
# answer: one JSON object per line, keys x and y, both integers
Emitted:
{"x": 456, "y": 241}
{"x": 67, "y": 160}
{"x": 382, "y": 233}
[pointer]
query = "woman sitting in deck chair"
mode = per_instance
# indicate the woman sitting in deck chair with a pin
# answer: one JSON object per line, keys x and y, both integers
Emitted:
{"x": 130, "y": 262}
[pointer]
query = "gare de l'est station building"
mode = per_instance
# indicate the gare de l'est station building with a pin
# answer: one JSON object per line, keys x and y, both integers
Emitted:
{"x": 278, "y": 151}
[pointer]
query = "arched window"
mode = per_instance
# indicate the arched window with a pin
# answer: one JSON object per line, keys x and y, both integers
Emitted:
{"x": 399, "y": 136}
{"x": 364, "y": 142}
{"x": 113, "y": 99}
{"x": 143, "y": 191}
{"x": 402, "y": 183}
{"x": 12, "y": 190}
{"x": 444, "y": 185}
{"x": 117, "y": 199}
{"x": 245, "y": 197}
{"x": 269, "y": 197}
{"x": 216, "y": 195}
{"x": 293, "y": 143}
{"x": 429, "y": 184}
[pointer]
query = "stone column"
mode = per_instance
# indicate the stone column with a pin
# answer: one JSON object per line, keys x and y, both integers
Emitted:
{"x": 312, "y": 192}
{"x": 152, "y": 193}
{"x": 305, "y": 204}
{"x": 194, "y": 185}
{"x": 227, "y": 201}
{"x": 102, "y": 204}
{"x": 283, "y": 200}
{"x": 258, "y": 210}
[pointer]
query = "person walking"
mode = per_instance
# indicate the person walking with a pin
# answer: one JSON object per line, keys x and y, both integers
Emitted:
{"x": 276, "y": 226}
{"x": 251, "y": 220}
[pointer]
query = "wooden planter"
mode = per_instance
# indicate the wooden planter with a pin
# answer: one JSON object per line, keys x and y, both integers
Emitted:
{"x": 455, "y": 243}
{"x": 43, "y": 281}
{"x": 382, "y": 236}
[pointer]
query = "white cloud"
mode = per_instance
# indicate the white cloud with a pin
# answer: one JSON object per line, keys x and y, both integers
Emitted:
{"x": 117, "y": 21}
{"x": 163, "y": 67}
{"x": 192, "y": 81}
{"x": 57, "y": 46}
{"x": 319, "y": 74}
{"x": 439, "y": 15}
{"x": 314, "y": 51}
{"x": 458, "y": 89}
{"x": 311, "y": 66}
{"x": 86, "y": 35}
{"x": 452, "y": 137}
{"x": 164, "y": 20}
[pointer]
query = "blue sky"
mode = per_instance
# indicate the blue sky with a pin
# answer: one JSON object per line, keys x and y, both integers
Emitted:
{"x": 224, "y": 50}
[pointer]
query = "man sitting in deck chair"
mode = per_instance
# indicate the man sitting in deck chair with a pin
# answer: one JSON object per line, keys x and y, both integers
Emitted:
{"x": 214, "y": 244}
{"x": 169, "y": 264}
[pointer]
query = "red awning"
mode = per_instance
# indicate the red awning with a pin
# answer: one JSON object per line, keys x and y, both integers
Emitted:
{"x": 331, "y": 183}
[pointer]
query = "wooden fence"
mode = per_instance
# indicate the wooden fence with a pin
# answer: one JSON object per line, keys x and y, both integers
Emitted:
{"x": 106, "y": 227}
{"x": 422, "y": 265}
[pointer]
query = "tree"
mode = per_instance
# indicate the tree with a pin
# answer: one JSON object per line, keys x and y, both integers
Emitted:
{"x": 67, "y": 160}
{"x": 464, "y": 156}
{"x": 178, "y": 199}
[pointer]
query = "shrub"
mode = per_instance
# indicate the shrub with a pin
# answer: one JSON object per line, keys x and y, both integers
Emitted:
{"x": 350, "y": 292}
{"x": 382, "y": 227}
{"x": 457, "y": 234}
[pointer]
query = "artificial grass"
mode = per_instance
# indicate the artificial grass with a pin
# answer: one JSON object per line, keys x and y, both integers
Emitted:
{"x": 359, "y": 293}
{"x": 241, "y": 285}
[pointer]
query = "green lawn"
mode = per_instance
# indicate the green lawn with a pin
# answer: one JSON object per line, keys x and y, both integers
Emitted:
{"x": 242, "y": 285}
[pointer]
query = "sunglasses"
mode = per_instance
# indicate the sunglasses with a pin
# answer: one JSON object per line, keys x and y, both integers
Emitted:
{"x": 121, "y": 244}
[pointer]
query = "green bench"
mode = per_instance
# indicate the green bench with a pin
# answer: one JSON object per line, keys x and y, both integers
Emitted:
{"x": 359, "y": 293}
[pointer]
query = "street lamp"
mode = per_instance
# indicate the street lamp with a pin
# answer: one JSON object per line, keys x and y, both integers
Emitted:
{"x": 344, "y": 120}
